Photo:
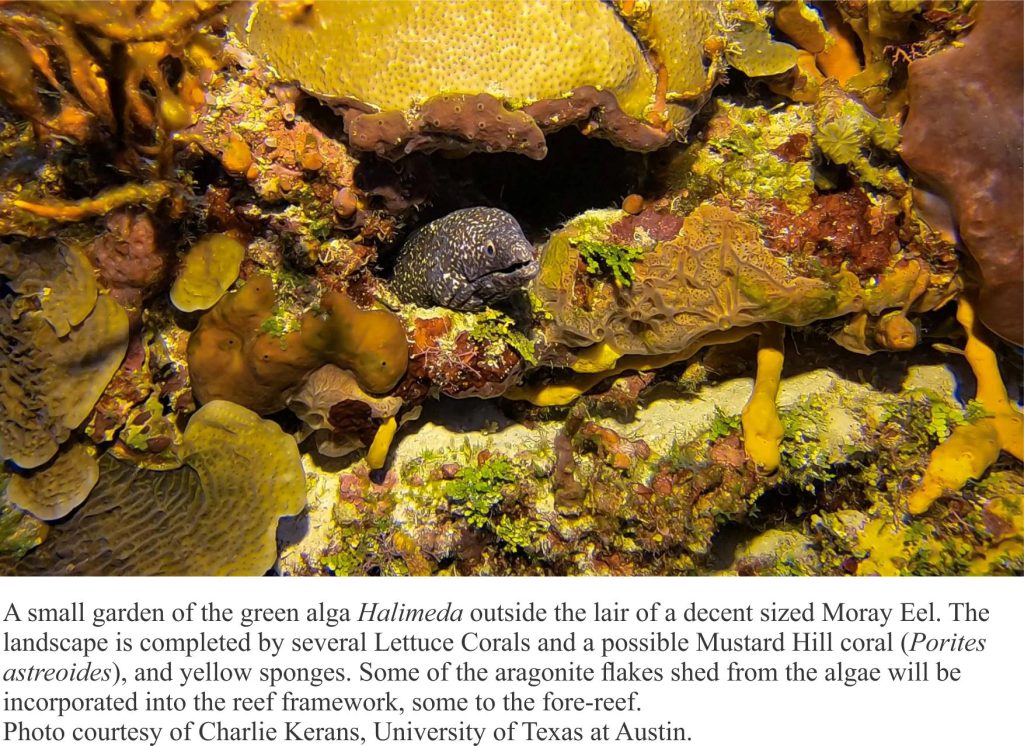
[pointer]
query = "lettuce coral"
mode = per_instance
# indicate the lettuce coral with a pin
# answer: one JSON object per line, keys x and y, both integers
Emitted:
{"x": 50, "y": 383}
{"x": 56, "y": 277}
{"x": 217, "y": 515}
{"x": 59, "y": 487}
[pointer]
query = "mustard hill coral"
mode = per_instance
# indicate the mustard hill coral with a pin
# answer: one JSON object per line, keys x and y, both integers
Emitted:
{"x": 965, "y": 140}
{"x": 210, "y": 267}
{"x": 235, "y": 354}
{"x": 462, "y": 85}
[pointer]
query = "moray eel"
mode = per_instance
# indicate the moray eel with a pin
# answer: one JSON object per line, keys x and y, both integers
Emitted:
{"x": 466, "y": 260}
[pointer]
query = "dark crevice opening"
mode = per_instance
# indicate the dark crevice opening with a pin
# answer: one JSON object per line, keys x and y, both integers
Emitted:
{"x": 578, "y": 174}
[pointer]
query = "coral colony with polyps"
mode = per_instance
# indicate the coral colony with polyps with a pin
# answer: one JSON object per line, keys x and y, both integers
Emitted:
{"x": 591, "y": 287}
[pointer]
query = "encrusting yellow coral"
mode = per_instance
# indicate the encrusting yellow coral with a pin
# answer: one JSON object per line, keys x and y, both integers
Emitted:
{"x": 762, "y": 428}
{"x": 974, "y": 446}
{"x": 209, "y": 269}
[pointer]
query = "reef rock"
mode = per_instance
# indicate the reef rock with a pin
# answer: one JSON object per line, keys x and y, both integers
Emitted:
{"x": 652, "y": 296}
{"x": 964, "y": 134}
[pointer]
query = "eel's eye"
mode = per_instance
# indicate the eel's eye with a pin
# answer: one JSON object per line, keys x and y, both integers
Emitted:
{"x": 489, "y": 248}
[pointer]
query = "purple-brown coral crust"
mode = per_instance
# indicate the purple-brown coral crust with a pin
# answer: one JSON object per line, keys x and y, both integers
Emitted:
{"x": 598, "y": 113}
{"x": 474, "y": 122}
{"x": 657, "y": 224}
{"x": 838, "y": 228}
{"x": 450, "y": 122}
{"x": 131, "y": 261}
{"x": 462, "y": 367}
{"x": 964, "y": 134}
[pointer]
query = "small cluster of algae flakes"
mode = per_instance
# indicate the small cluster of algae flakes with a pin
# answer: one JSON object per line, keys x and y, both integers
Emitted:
{"x": 741, "y": 154}
{"x": 842, "y": 409}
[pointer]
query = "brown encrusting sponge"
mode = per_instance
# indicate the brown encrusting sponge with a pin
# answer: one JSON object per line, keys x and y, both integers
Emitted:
{"x": 966, "y": 139}
{"x": 237, "y": 353}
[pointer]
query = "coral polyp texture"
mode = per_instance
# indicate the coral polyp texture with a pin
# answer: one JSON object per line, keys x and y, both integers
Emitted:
{"x": 279, "y": 291}
{"x": 492, "y": 76}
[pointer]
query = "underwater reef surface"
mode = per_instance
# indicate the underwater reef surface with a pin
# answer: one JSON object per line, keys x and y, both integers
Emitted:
{"x": 584, "y": 288}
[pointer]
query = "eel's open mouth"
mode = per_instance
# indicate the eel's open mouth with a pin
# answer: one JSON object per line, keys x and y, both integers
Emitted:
{"x": 526, "y": 269}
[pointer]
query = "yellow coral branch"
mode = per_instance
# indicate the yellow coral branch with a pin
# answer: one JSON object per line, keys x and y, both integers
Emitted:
{"x": 106, "y": 201}
{"x": 566, "y": 392}
{"x": 381, "y": 444}
{"x": 973, "y": 447}
{"x": 762, "y": 428}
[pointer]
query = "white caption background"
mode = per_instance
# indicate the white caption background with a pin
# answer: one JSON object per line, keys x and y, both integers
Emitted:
{"x": 960, "y": 679}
